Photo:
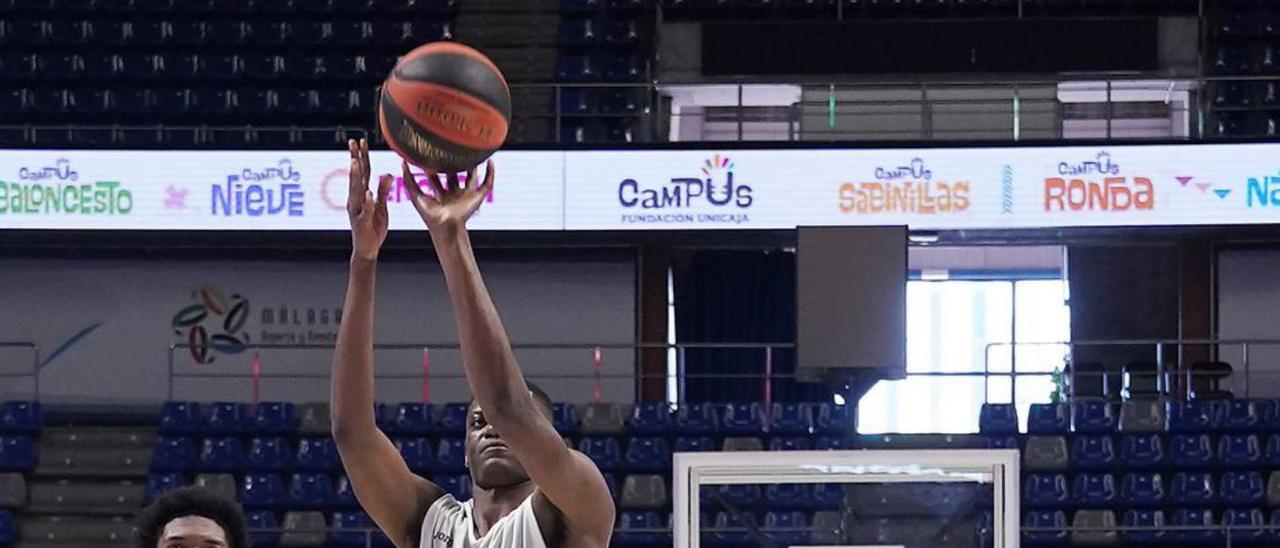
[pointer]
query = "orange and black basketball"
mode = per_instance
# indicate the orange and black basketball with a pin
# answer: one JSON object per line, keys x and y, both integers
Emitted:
{"x": 445, "y": 106}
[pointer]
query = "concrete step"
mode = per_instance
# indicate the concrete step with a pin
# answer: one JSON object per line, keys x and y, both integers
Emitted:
{"x": 86, "y": 497}
{"x": 80, "y": 462}
{"x": 51, "y": 531}
{"x": 105, "y": 437}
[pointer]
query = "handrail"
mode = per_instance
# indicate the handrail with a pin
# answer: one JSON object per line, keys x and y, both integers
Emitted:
{"x": 34, "y": 373}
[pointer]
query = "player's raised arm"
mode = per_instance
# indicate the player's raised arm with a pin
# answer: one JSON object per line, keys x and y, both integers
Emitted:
{"x": 566, "y": 478}
{"x": 392, "y": 495}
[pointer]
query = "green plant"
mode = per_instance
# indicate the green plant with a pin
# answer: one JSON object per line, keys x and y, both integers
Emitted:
{"x": 1059, "y": 380}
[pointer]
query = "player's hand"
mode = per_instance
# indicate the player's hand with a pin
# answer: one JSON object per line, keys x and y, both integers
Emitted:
{"x": 448, "y": 208}
{"x": 368, "y": 213}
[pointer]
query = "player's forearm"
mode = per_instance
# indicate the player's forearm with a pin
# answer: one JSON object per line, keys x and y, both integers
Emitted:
{"x": 492, "y": 373}
{"x": 351, "y": 380}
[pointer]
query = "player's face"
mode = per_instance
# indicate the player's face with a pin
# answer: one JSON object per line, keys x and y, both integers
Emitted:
{"x": 491, "y": 462}
{"x": 192, "y": 532}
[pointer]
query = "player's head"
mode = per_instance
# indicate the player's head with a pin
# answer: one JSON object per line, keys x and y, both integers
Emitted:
{"x": 192, "y": 518}
{"x": 491, "y": 465}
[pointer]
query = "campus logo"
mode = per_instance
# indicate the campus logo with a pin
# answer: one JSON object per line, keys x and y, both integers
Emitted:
{"x": 909, "y": 188}
{"x": 256, "y": 192}
{"x": 712, "y": 197}
{"x": 57, "y": 189}
{"x": 333, "y": 189}
{"x": 1097, "y": 184}
{"x": 212, "y": 324}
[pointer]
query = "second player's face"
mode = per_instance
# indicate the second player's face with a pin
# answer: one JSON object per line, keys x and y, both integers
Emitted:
{"x": 192, "y": 532}
{"x": 491, "y": 462}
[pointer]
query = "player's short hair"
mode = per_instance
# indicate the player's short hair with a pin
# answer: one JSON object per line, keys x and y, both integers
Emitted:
{"x": 192, "y": 501}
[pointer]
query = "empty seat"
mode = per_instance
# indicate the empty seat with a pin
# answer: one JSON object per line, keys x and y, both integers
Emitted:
{"x": 650, "y": 418}
{"x": 603, "y": 451}
{"x": 1093, "y": 453}
{"x": 1190, "y": 417}
{"x": 1094, "y": 519}
{"x": 1273, "y": 489}
{"x": 742, "y": 444}
{"x": 275, "y": 418}
{"x": 790, "y": 418}
{"x": 1048, "y": 419}
{"x": 1142, "y": 416}
{"x": 834, "y": 420}
{"x": 602, "y": 418}
{"x": 225, "y": 419}
{"x": 1203, "y": 519}
{"x": 458, "y": 485}
{"x": 221, "y": 455}
{"x": 649, "y": 454}
{"x": 697, "y": 418}
{"x": 413, "y": 419}
{"x": 452, "y": 419}
{"x": 1193, "y": 489}
{"x": 269, "y": 455}
{"x": 1191, "y": 451}
{"x": 349, "y": 528}
{"x": 1093, "y": 417}
{"x": 346, "y": 495}
{"x": 179, "y": 418}
{"x": 159, "y": 484}
{"x": 576, "y": 68}
{"x": 998, "y": 419}
{"x": 1045, "y": 453}
{"x": 1142, "y": 452}
{"x": 694, "y": 444}
{"x": 1142, "y": 489}
{"x": 794, "y": 443}
{"x": 318, "y": 455}
{"x": 786, "y": 528}
{"x": 742, "y": 418}
{"x": 1245, "y": 415}
{"x": 1246, "y": 525}
{"x": 827, "y": 495}
{"x": 1271, "y": 453}
{"x": 1239, "y": 451}
{"x": 418, "y": 454}
{"x": 1093, "y": 490}
{"x": 1054, "y": 523}
{"x": 565, "y": 418}
{"x": 787, "y": 496}
{"x": 21, "y": 417}
{"x": 451, "y": 455}
{"x": 223, "y": 485}
{"x": 262, "y": 492}
{"x": 641, "y": 528}
{"x": 13, "y": 490}
{"x": 732, "y": 528}
{"x": 1045, "y": 491}
{"x": 311, "y": 492}
{"x": 8, "y": 528}
{"x": 303, "y": 529}
{"x": 1242, "y": 488}
{"x": 173, "y": 454}
{"x": 1152, "y": 520}
{"x": 259, "y": 522}
{"x": 644, "y": 491}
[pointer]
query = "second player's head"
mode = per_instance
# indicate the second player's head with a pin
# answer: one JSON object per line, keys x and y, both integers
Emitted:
{"x": 490, "y": 461}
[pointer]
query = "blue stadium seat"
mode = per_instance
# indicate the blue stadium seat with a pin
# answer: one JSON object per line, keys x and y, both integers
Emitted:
{"x": 1241, "y": 520}
{"x": 1142, "y": 452}
{"x": 621, "y": 68}
{"x": 258, "y": 521}
{"x": 998, "y": 419}
{"x": 1093, "y": 453}
{"x": 742, "y": 418}
{"x": 451, "y": 455}
{"x": 577, "y": 33}
{"x": 741, "y": 495}
{"x": 619, "y": 33}
{"x": 1193, "y": 489}
{"x": 346, "y": 495}
{"x": 318, "y": 455}
{"x": 1191, "y": 451}
{"x": 834, "y": 420}
{"x": 1243, "y": 488}
{"x": 786, "y": 528}
{"x": 1002, "y": 442}
{"x": 1190, "y": 417}
{"x": 793, "y": 443}
{"x": 787, "y": 496}
{"x": 1231, "y": 94}
{"x": 1245, "y": 416}
{"x": 1093, "y": 417}
{"x": 648, "y": 455}
{"x": 179, "y": 418}
{"x": 619, "y": 101}
{"x": 453, "y": 419}
{"x": 694, "y": 444}
{"x": 1045, "y": 491}
{"x": 576, "y": 68}
{"x": 650, "y": 418}
{"x": 8, "y": 529}
{"x": 384, "y": 415}
{"x": 418, "y": 454}
{"x": 311, "y": 492}
{"x": 612, "y": 484}
{"x": 827, "y": 496}
{"x": 355, "y": 524}
{"x": 275, "y": 418}
{"x": 790, "y": 419}
{"x": 1271, "y": 453}
{"x": 1239, "y": 451}
{"x": 1045, "y": 519}
{"x": 21, "y": 417}
{"x": 173, "y": 454}
{"x": 580, "y": 6}
{"x": 1153, "y": 519}
{"x": 641, "y": 529}
{"x": 412, "y": 419}
{"x": 580, "y": 101}
{"x": 1184, "y": 517}
{"x": 732, "y": 529}
{"x": 1093, "y": 490}
{"x": 225, "y": 418}
{"x": 827, "y": 443}
{"x": 565, "y": 418}
{"x": 221, "y": 455}
{"x": 269, "y": 455}
{"x": 458, "y": 485}
{"x": 603, "y": 451}
{"x": 697, "y": 418}
{"x": 1142, "y": 489}
{"x": 262, "y": 492}
{"x": 159, "y": 484}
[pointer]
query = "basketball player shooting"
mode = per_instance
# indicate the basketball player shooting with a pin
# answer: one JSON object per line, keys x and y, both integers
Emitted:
{"x": 530, "y": 490}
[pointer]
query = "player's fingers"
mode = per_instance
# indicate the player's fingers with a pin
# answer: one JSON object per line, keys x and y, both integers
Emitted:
{"x": 433, "y": 179}
{"x": 384, "y": 188}
{"x": 364, "y": 156}
{"x": 452, "y": 177}
{"x": 490, "y": 174}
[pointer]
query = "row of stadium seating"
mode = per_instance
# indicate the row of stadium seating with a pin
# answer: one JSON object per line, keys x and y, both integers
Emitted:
{"x": 1092, "y": 416}
{"x": 222, "y": 6}
{"x": 1151, "y": 452}
{"x": 854, "y": 9}
{"x": 389, "y": 34}
{"x": 1150, "y": 489}
{"x": 1200, "y": 528}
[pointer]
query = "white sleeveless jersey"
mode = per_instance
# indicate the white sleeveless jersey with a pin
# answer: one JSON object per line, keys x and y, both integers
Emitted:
{"x": 450, "y": 524}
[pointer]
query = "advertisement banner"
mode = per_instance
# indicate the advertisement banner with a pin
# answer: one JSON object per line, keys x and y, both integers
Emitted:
{"x": 927, "y": 189}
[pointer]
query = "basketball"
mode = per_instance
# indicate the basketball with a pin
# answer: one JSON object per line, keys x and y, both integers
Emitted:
{"x": 445, "y": 106}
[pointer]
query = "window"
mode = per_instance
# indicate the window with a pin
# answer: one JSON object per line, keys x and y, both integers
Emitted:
{"x": 957, "y": 330}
